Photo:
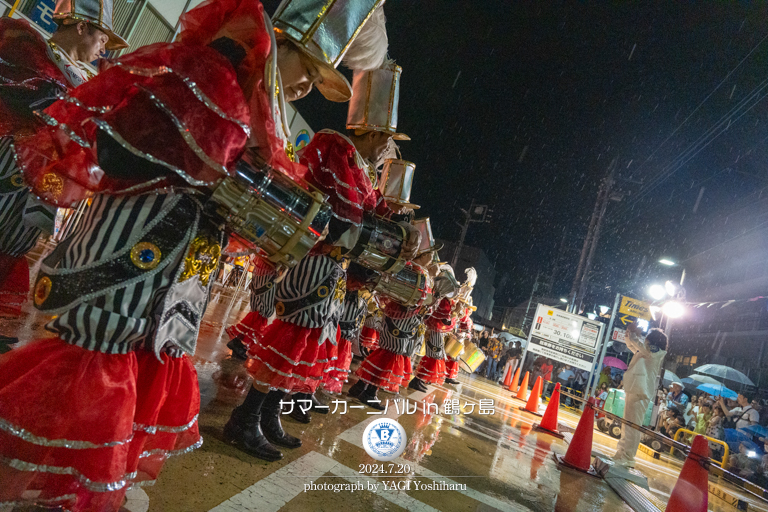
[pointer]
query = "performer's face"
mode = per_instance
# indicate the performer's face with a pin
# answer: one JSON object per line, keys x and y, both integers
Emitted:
{"x": 297, "y": 72}
{"x": 93, "y": 42}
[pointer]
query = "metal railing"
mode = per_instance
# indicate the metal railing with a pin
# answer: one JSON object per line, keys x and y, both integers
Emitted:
{"x": 723, "y": 463}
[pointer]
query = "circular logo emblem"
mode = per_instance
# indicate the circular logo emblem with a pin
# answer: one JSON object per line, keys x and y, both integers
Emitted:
{"x": 384, "y": 439}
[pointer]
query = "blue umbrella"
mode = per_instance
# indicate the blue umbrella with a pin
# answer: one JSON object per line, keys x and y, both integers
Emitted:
{"x": 757, "y": 430}
{"x": 725, "y": 372}
{"x": 718, "y": 390}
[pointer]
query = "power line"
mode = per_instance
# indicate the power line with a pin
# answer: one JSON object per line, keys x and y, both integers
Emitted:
{"x": 704, "y": 100}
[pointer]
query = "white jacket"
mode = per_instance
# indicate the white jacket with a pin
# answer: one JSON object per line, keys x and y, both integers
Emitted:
{"x": 644, "y": 369}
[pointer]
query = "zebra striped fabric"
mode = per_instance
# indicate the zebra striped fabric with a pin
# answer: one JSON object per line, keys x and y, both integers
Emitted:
{"x": 16, "y": 239}
{"x": 123, "y": 317}
{"x": 305, "y": 281}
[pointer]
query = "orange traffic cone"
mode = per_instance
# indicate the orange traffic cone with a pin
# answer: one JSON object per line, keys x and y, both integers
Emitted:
{"x": 549, "y": 421}
{"x": 515, "y": 381}
{"x": 508, "y": 378}
{"x": 691, "y": 491}
{"x": 579, "y": 454}
{"x": 533, "y": 401}
{"x": 523, "y": 389}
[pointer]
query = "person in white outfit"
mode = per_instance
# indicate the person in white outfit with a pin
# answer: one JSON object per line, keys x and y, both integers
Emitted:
{"x": 640, "y": 381}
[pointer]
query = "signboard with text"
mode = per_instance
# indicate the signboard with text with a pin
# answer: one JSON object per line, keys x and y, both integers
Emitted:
{"x": 565, "y": 337}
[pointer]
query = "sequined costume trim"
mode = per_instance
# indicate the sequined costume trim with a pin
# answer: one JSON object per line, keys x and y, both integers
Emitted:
{"x": 55, "y": 443}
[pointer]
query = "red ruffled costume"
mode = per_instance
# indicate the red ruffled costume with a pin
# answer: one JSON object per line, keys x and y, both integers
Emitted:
{"x": 26, "y": 72}
{"x": 432, "y": 368}
{"x": 452, "y": 369}
{"x": 254, "y": 323}
{"x": 80, "y": 425}
{"x": 338, "y": 370}
{"x": 14, "y": 284}
{"x": 386, "y": 369}
{"x": 369, "y": 338}
{"x": 465, "y": 326}
{"x": 287, "y": 357}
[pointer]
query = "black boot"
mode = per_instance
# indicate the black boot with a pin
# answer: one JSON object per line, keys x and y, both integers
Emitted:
{"x": 318, "y": 406}
{"x": 301, "y": 407}
{"x": 452, "y": 381}
{"x": 357, "y": 388}
{"x": 418, "y": 384}
{"x": 270, "y": 421}
{"x": 238, "y": 348}
{"x": 369, "y": 398}
{"x": 244, "y": 430}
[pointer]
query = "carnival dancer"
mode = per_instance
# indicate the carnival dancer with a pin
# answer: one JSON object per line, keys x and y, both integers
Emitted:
{"x": 431, "y": 368}
{"x": 389, "y": 366}
{"x": 262, "y": 305}
{"x": 33, "y": 72}
{"x": 464, "y": 308}
{"x": 369, "y": 334}
{"x": 294, "y": 351}
{"x": 101, "y": 406}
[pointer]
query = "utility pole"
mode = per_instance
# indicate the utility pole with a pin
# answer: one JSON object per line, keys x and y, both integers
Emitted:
{"x": 579, "y": 287}
{"x": 476, "y": 213}
{"x": 528, "y": 308}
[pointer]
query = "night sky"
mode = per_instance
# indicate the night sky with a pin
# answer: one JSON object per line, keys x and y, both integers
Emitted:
{"x": 522, "y": 106}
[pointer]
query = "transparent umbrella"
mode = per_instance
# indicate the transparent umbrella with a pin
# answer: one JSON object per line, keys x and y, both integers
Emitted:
{"x": 670, "y": 377}
{"x": 701, "y": 379}
{"x": 725, "y": 372}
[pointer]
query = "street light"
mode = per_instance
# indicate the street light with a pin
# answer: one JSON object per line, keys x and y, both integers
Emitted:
{"x": 562, "y": 299}
{"x": 667, "y": 262}
{"x": 670, "y": 288}
{"x": 657, "y": 292}
{"x": 673, "y": 309}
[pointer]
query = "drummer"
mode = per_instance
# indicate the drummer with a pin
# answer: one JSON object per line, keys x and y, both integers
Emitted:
{"x": 389, "y": 366}
{"x": 295, "y": 350}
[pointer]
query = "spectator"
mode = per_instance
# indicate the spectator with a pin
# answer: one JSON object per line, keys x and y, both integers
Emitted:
{"x": 605, "y": 377}
{"x": 510, "y": 360}
{"x": 483, "y": 343}
{"x": 546, "y": 373}
{"x": 676, "y": 399}
{"x": 690, "y": 412}
{"x": 703, "y": 415}
{"x": 493, "y": 355}
{"x": 673, "y": 423}
{"x": 715, "y": 430}
{"x": 742, "y": 464}
{"x": 744, "y": 415}
{"x": 565, "y": 378}
{"x": 602, "y": 394}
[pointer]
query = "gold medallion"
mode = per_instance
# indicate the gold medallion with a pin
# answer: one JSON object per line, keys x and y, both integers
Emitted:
{"x": 322, "y": 292}
{"x": 146, "y": 255}
{"x": 17, "y": 180}
{"x": 42, "y": 290}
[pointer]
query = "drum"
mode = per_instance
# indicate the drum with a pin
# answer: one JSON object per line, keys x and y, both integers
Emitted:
{"x": 472, "y": 358}
{"x": 453, "y": 347}
{"x": 379, "y": 246}
{"x": 409, "y": 287}
{"x": 270, "y": 213}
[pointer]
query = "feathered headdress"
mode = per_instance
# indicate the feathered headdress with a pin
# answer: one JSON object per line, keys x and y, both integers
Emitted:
{"x": 369, "y": 49}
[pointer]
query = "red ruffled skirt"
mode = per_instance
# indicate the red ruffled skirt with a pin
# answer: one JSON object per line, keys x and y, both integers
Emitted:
{"x": 369, "y": 338}
{"x": 452, "y": 368}
{"x": 385, "y": 370}
{"x": 14, "y": 284}
{"x": 431, "y": 371}
{"x": 79, "y": 427}
{"x": 289, "y": 358}
{"x": 250, "y": 328}
{"x": 337, "y": 372}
